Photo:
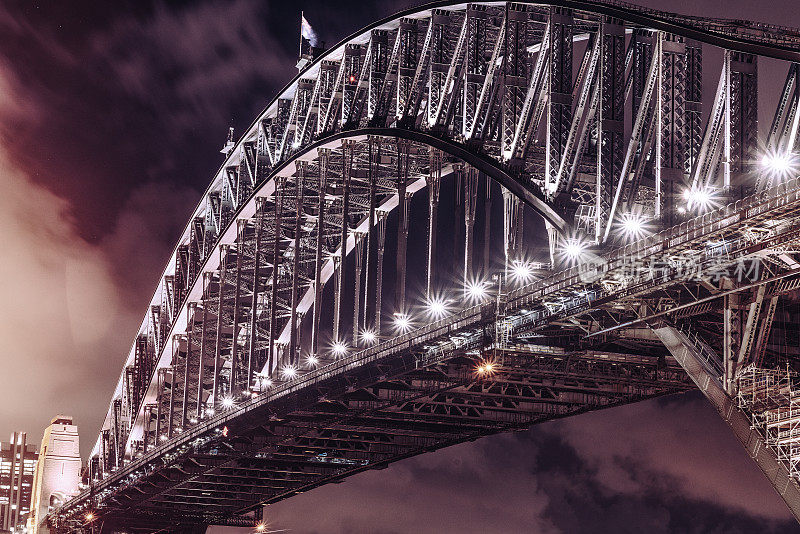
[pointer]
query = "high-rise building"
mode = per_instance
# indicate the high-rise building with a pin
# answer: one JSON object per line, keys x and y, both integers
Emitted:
{"x": 17, "y": 468}
{"x": 58, "y": 471}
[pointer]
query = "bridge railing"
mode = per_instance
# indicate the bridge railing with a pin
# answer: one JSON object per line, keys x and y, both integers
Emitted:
{"x": 700, "y": 227}
{"x": 773, "y": 33}
{"x": 435, "y": 330}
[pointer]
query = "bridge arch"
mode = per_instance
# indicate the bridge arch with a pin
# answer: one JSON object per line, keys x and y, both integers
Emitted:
{"x": 530, "y": 124}
{"x": 265, "y": 193}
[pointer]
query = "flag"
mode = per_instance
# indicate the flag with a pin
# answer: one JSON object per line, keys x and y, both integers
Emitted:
{"x": 307, "y": 32}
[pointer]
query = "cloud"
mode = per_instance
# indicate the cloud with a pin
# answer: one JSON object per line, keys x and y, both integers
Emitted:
{"x": 60, "y": 306}
{"x": 474, "y": 487}
{"x": 677, "y": 445}
{"x": 144, "y": 235}
{"x": 665, "y": 465}
{"x": 70, "y": 308}
{"x": 223, "y": 54}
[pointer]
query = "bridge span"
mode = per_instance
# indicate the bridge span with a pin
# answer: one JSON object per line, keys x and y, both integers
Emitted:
{"x": 667, "y": 239}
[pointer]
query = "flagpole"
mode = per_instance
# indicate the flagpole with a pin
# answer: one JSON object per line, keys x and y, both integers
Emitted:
{"x": 302, "y": 16}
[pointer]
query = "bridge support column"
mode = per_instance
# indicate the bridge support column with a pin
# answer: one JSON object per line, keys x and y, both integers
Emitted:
{"x": 671, "y": 127}
{"x": 434, "y": 182}
{"x": 610, "y": 123}
{"x": 159, "y": 415}
{"x": 298, "y": 228}
{"x": 741, "y": 119}
{"x": 470, "y": 198}
{"x": 187, "y": 368}
{"x": 318, "y": 259}
{"x": 379, "y": 270}
{"x": 215, "y": 390}
{"x": 276, "y": 260}
{"x": 201, "y": 364}
{"x": 694, "y": 363}
{"x": 252, "y": 363}
{"x": 694, "y": 104}
{"x": 511, "y": 218}
{"x": 402, "y": 224}
{"x": 176, "y": 350}
{"x": 359, "y": 253}
{"x": 148, "y": 416}
{"x": 559, "y": 103}
{"x": 732, "y": 336}
{"x": 347, "y": 163}
{"x": 458, "y": 205}
{"x": 487, "y": 225}
{"x": 233, "y": 382}
{"x": 338, "y": 265}
{"x": 370, "y": 245}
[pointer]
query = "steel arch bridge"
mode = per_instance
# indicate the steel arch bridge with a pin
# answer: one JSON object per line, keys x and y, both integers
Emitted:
{"x": 251, "y": 380}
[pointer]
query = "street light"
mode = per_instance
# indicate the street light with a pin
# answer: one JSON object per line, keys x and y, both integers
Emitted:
{"x": 777, "y": 163}
{"x": 633, "y": 226}
{"x": 699, "y": 197}
{"x": 475, "y": 290}
{"x": 369, "y": 336}
{"x": 288, "y": 372}
{"x": 402, "y": 322}
{"x": 572, "y": 249}
{"x": 339, "y": 349}
{"x": 521, "y": 271}
{"x": 437, "y": 307}
{"x": 486, "y": 368}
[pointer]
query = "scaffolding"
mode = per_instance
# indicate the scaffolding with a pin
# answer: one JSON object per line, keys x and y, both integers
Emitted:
{"x": 771, "y": 398}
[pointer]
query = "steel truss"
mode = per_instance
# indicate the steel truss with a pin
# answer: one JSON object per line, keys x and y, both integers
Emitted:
{"x": 246, "y": 384}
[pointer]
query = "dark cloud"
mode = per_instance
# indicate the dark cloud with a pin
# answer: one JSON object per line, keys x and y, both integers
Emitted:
{"x": 629, "y": 469}
{"x": 224, "y": 55}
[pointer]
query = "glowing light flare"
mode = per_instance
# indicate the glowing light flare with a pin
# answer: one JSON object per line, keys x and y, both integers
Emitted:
{"x": 312, "y": 360}
{"x": 699, "y": 198}
{"x": 779, "y": 165}
{"x": 288, "y": 372}
{"x": 476, "y": 291}
{"x": 261, "y": 527}
{"x": 572, "y": 249}
{"x": 402, "y": 322}
{"x": 437, "y": 307}
{"x": 521, "y": 271}
{"x": 89, "y": 516}
{"x": 339, "y": 349}
{"x": 486, "y": 368}
{"x": 369, "y": 336}
{"x": 228, "y": 402}
{"x": 633, "y": 226}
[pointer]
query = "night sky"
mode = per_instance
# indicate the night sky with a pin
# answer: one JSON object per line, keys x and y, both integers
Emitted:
{"x": 112, "y": 115}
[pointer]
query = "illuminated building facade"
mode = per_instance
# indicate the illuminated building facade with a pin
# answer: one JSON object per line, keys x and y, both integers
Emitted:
{"x": 58, "y": 471}
{"x": 17, "y": 468}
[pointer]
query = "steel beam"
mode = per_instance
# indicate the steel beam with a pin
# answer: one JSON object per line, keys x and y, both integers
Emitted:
{"x": 433, "y": 180}
{"x": 693, "y": 362}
